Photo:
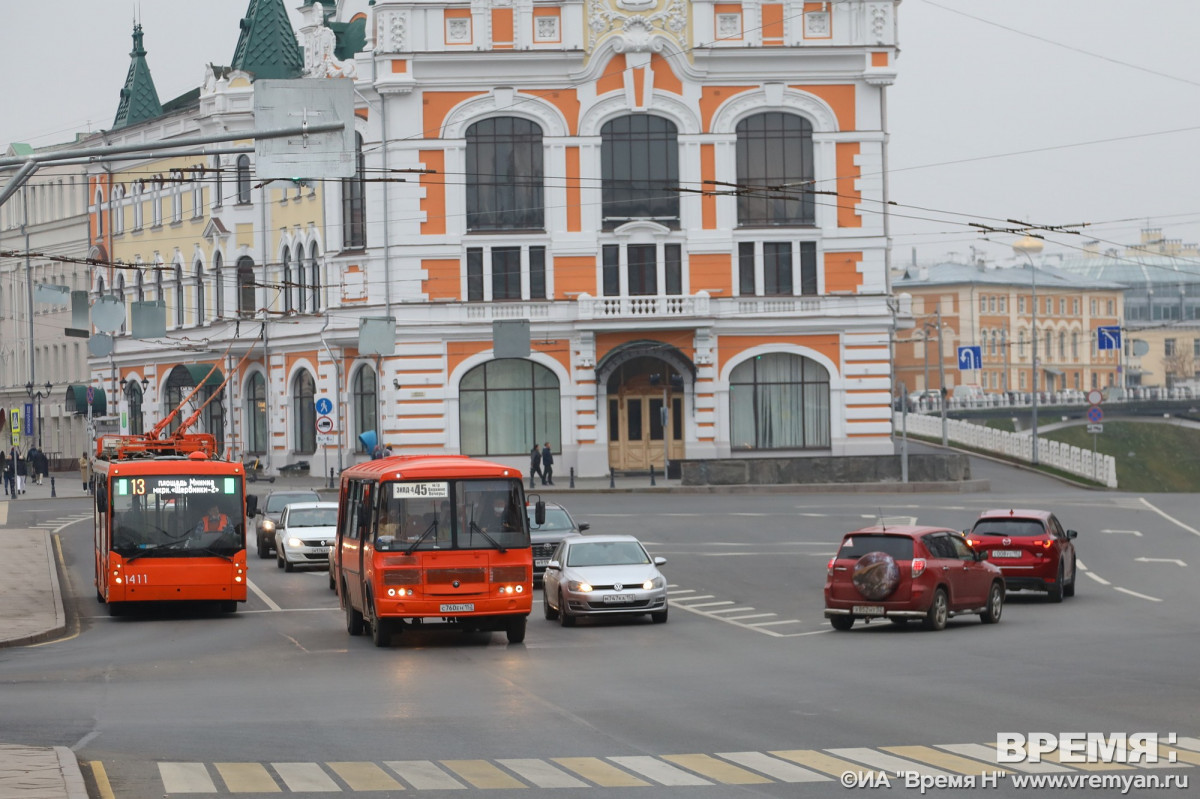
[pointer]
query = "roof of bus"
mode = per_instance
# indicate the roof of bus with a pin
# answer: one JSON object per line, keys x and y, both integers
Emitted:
{"x": 412, "y": 467}
{"x": 169, "y": 466}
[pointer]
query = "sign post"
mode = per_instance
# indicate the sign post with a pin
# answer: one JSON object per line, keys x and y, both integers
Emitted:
{"x": 1095, "y": 414}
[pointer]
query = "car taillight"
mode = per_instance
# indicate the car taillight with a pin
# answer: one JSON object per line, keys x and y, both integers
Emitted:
{"x": 918, "y": 567}
{"x": 974, "y": 542}
{"x": 1045, "y": 542}
{"x": 829, "y": 566}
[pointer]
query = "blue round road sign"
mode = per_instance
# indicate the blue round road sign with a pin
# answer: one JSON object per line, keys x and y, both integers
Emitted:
{"x": 324, "y": 406}
{"x": 1095, "y": 414}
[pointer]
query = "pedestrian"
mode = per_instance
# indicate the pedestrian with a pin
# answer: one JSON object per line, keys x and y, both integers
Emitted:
{"x": 535, "y": 464}
{"x": 22, "y": 470}
{"x": 40, "y": 464}
{"x": 547, "y": 466}
{"x": 10, "y": 488}
{"x": 85, "y": 471}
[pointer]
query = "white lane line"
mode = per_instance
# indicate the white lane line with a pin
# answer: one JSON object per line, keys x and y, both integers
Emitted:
{"x": 1138, "y": 533}
{"x": 1136, "y": 594}
{"x": 987, "y": 754}
{"x": 1191, "y": 530}
{"x": 258, "y": 592}
{"x": 710, "y": 604}
{"x": 690, "y": 598}
{"x": 185, "y": 778}
{"x": 731, "y": 610}
{"x": 423, "y": 775}
{"x": 772, "y": 623}
{"x": 1176, "y": 561}
{"x": 1098, "y": 579}
{"x": 810, "y": 632}
{"x": 751, "y": 616}
{"x": 541, "y": 773}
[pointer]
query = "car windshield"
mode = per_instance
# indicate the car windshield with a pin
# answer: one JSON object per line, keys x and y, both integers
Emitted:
{"x": 607, "y": 553}
{"x": 899, "y": 547}
{"x": 556, "y": 519}
{"x": 1010, "y": 528}
{"x": 313, "y": 517}
{"x": 277, "y": 502}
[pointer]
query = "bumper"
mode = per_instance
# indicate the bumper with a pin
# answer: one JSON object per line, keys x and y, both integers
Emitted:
{"x": 887, "y": 613}
{"x": 1026, "y": 582}
{"x": 306, "y": 556}
{"x": 594, "y": 604}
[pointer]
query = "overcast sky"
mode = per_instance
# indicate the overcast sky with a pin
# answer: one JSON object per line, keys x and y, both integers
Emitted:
{"x": 1057, "y": 112}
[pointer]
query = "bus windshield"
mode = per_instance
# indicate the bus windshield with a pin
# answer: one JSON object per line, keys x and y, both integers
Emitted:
{"x": 452, "y": 514}
{"x": 182, "y": 515}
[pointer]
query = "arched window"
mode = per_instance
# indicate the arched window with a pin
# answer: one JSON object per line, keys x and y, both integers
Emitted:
{"x": 775, "y": 149}
{"x": 119, "y": 293}
{"x": 243, "y": 180}
{"x": 506, "y": 404}
{"x": 218, "y": 286}
{"x": 133, "y": 395}
{"x": 99, "y": 214}
{"x": 287, "y": 280}
{"x": 100, "y": 287}
{"x": 354, "y": 189}
{"x": 256, "y": 414}
{"x": 247, "y": 305}
{"x": 504, "y": 175}
{"x": 304, "y": 412}
{"x": 158, "y": 287}
{"x": 314, "y": 278}
{"x": 141, "y": 285}
{"x": 179, "y": 295}
{"x": 219, "y": 186}
{"x": 301, "y": 280}
{"x": 118, "y": 210}
{"x": 779, "y": 401}
{"x": 199, "y": 293}
{"x": 365, "y": 391}
{"x": 639, "y": 170}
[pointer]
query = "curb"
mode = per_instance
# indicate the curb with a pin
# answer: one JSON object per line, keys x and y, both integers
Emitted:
{"x": 60, "y": 616}
{"x": 73, "y": 781}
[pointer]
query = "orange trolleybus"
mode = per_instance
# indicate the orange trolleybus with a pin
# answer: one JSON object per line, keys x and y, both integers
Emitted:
{"x": 436, "y": 538}
{"x": 170, "y": 522}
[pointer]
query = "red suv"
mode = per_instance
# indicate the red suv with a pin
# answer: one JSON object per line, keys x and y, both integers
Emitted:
{"x": 1030, "y": 547}
{"x": 910, "y": 572}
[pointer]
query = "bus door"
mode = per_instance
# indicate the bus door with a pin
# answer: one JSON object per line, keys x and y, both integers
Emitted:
{"x": 352, "y": 538}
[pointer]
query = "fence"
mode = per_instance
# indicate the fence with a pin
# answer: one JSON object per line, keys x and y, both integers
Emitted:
{"x": 1073, "y": 460}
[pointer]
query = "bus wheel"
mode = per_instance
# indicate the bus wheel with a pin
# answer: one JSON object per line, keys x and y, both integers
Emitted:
{"x": 116, "y": 608}
{"x": 516, "y": 629}
{"x": 354, "y": 619}
{"x": 229, "y": 606}
{"x": 381, "y": 632}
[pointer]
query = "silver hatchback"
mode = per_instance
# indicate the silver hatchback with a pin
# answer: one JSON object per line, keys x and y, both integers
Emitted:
{"x": 603, "y": 575}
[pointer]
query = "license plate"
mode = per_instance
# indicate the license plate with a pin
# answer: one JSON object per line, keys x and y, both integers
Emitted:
{"x": 461, "y": 607}
{"x": 1006, "y": 553}
{"x": 868, "y": 610}
{"x": 617, "y": 599}
{"x": 541, "y": 562}
{"x": 320, "y": 550}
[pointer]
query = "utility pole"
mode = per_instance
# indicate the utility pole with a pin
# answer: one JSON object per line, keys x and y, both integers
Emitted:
{"x": 942, "y": 376}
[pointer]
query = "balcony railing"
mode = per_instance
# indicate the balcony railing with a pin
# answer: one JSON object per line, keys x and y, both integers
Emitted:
{"x": 632, "y": 307}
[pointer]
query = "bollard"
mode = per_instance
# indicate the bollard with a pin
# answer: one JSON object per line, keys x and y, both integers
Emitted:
{"x": 572, "y": 485}
{"x": 330, "y": 477}
{"x": 53, "y": 493}
{"x": 652, "y": 474}
{"x": 611, "y": 479}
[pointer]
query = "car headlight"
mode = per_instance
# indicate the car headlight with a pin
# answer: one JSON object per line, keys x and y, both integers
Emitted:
{"x": 579, "y": 586}
{"x": 268, "y": 526}
{"x": 656, "y": 582}
{"x": 295, "y": 542}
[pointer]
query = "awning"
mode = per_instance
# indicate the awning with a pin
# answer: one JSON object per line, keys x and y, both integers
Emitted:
{"x": 194, "y": 374}
{"x": 76, "y": 400}
{"x": 1055, "y": 372}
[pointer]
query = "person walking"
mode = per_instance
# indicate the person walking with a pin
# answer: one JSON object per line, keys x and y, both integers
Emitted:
{"x": 40, "y": 464}
{"x": 10, "y": 488}
{"x": 22, "y": 469}
{"x": 535, "y": 464}
{"x": 85, "y": 471}
{"x": 547, "y": 466}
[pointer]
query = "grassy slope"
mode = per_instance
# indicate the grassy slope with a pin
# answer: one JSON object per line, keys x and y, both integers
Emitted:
{"x": 1150, "y": 457}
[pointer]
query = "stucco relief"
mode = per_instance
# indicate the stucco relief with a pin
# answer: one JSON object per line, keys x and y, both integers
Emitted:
{"x": 815, "y": 110}
{"x": 392, "y": 34}
{"x": 638, "y": 25}
{"x": 881, "y": 17}
{"x": 682, "y": 114}
{"x": 534, "y": 108}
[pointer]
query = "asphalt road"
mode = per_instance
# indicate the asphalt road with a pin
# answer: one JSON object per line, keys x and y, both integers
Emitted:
{"x": 744, "y": 692}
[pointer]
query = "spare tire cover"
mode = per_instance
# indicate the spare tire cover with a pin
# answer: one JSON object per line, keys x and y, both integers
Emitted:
{"x": 876, "y": 575}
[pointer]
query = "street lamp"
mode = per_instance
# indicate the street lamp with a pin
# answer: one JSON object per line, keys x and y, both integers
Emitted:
{"x": 1030, "y": 246}
{"x": 38, "y": 396}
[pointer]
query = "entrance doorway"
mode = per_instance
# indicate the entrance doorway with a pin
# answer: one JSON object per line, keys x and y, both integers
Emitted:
{"x": 640, "y": 435}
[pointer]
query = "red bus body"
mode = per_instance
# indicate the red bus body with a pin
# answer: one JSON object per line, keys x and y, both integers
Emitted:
{"x": 432, "y": 538}
{"x": 151, "y": 543}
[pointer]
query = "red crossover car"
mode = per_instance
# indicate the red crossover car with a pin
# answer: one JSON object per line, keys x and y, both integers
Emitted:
{"x": 1030, "y": 547}
{"x": 910, "y": 572}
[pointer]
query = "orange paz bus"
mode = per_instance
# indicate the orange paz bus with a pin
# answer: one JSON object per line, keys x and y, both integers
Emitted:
{"x": 170, "y": 522}
{"x": 433, "y": 538}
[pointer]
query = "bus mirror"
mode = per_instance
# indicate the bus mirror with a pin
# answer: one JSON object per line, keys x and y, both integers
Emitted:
{"x": 539, "y": 513}
{"x": 251, "y": 505}
{"x": 102, "y": 499}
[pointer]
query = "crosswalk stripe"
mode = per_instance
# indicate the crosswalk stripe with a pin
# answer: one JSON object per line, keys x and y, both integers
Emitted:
{"x": 541, "y": 773}
{"x": 1054, "y": 757}
{"x": 185, "y": 778}
{"x": 927, "y": 754}
{"x": 365, "y": 776}
{"x": 659, "y": 771}
{"x": 1181, "y": 755}
{"x": 988, "y": 755}
{"x": 482, "y": 774}
{"x": 817, "y": 760}
{"x": 730, "y": 610}
{"x": 423, "y": 775}
{"x": 714, "y": 769}
{"x": 881, "y": 760}
{"x": 247, "y": 778}
{"x": 711, "y": 604}
{"x": 773, "y": 767}
{"x": 751, "y": 616}
{"x": 603, "y": 774}
{"x": 690, "y": 598}
{"x": 301, "y": 777}
{"x": 773, "y": 623}
{"x": 1188, "y": 743}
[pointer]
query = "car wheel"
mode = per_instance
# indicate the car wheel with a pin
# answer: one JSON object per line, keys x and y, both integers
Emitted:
{"x": 995, "y": 605}
{"x": 660, "y": 617}
{"x": 515, "y": 630}
{"x": 1069, "y": 588}
{"x": 264, "y": 551}
{"x": 278, "y": 558}
{"x": 288, "y": 566}
{"x": 841, "y": 623}
{"x": 332, "y": 584}
{"x": 939, "y": 611}
{"x": 550, "y": 613}
{"x": 1055, "y": 594}
{"x": 354, "y": 619}
{"x": 564, "y": 618}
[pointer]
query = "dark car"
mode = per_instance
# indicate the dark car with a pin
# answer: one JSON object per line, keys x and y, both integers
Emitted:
{"x": 1031, "y": 548}
{"x": 545, "y": 537}
{"x": 268, "y": 516}
{"x": 910, "y": 572}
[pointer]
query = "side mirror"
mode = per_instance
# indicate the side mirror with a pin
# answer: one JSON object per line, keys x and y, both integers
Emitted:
{"x": 251, "y": 505}
{"x": 1071, "y": 534}
{"x": 554, "y": 564}
{"x": 659, "y": 561}
{"x": 539, "y": 513}
{"x": 981, "y": 554}
{"x": 101, "y": 497}
{"x": 584, "y": 526}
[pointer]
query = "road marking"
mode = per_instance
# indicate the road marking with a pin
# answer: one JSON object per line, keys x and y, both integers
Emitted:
{"x": 247, "y": 778}
{"x": 1191, "y": 530}
{"x": 818, "y": 761}
{"x": 731, "y": 610}
{"x": 542, "y": 774}
{"x": 301, "y": 777}
{"x": 885, "y": 762}
{"x": 365, "y": 777}
{"x": 1136, "y": 594}
{"x": 690, "y": 598}
{"x": 1097, "y": 578}
{"x": 482, "y": 774}
{"x": 257, "y": 592}
{"x": 714, "y": 604}
{"x": 185, "y": 778}
{"x": 1162, "y": 560}
{"x": 927, "y": 754}
{"x": 423, "y": 775}
{"x": 101, "y": 777}
{"x": 714, "y": 769}
{"x": 751, "y": 616}
{"x": 1138, "y": 533}
{"x": 660, "y": 772}
{"x": 988, "y": 755}
{"x": 773, "y": 767}
{"x": 770, "y": 623}
{"x": 603, "y": 774}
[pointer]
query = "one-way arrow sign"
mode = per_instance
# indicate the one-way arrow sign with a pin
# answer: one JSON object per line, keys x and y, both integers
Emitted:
{"x": 970, "y": 358}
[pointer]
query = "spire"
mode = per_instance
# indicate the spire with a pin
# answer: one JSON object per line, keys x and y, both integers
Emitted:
{"x": 139, "y": 99}
{"x": 267, "y": 46}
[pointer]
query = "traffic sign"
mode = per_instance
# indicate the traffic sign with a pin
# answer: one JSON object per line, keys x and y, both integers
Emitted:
{"x": 326, "y": 439}
{"x": 1108, "y": 337}
{"x": 1095, "y": 396}
{"x": 1095, "y": 414}
{"x": 91, "y": 394}
{"x": 324, "y": 406}
{"x": 1095, "y": 428}
{"x": 324, "y": 424}
{"x": 970, "y": 358}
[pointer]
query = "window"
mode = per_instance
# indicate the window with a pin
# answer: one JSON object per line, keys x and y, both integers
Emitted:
{"x": 1062, "y": 346}
{"x": 365, "y": 392}
{"x": 1168, "y": 347}
{"x": 779, "y": 401}
{"x": 118, "y": 211}
{"x": 511, "y": 273}
{"x": 178, "y": 295}
{"x": 199, "y": 293}
{"x": 314, "y": 279}
{"x": 1074, "y": 345}
{"x": 1004, "y": 305}
{"x": 256, "y": 414}
{"x": 1095, "y": 306}
{"x": 506, "y": 405}
{"x": 301, "y": 280}
{"x": 243, "y": 180}
{"x": 646, "y": 267}
{"x": 639, "y": 170}
{"x": 304, "y": 412}
{"x": 983, "y": 304}
{"x": 247, "y": 306}
{"x": 767, "y": 268}
{"x": 1021, "y": 345}
{"x": 287, "y": 281}
{"x": 504, "y": 175}
{"x": 133, "y": 395}
{"x": 354, "y": 191}
{"x": 773, "y": 150}
{"x": 156, "y": 203}
{"x": 1062, "y": 306}
{"x": 1196, "y": 348}
{"x": 1020, "y": 305}
{"x": 218, "y": 189}
{"x": 138, "y": 187}
{"x": 1111, "y": 305}
{"x": 218, "y": 286}
{"x": 197, "y": 193}
{"x": 1075, "y": 306}
{"x": 506, "y": 273}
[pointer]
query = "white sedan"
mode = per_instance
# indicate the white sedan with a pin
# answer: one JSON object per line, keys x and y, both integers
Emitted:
{"x": 305, "y": 533}
{"x": 603, "y": 575}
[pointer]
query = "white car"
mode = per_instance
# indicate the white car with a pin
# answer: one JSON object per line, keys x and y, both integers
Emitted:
{"x": 603, "y": 575}
{"x": 305, "y": 534}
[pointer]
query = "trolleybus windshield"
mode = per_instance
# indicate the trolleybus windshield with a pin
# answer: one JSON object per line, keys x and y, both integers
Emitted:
{"x": 452, "y": 514}
{"x": 177, "y": 516}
